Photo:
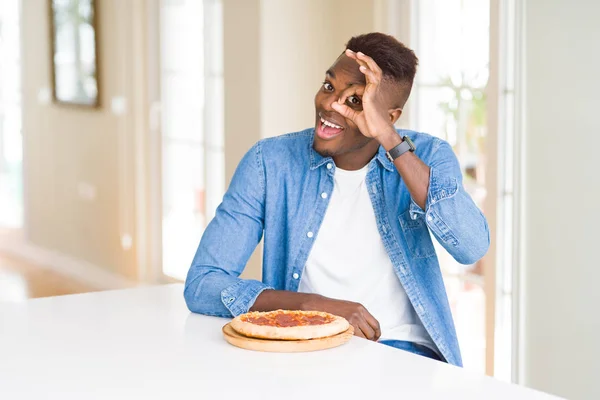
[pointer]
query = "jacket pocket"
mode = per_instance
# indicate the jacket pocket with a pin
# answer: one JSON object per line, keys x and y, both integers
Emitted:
{"x": 416, "y": 234}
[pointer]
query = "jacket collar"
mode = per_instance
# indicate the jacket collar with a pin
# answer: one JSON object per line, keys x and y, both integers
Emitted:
{"x": 316, "y": 160}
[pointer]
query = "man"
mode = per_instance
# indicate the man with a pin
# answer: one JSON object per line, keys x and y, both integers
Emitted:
{"x": 346, "y": 209}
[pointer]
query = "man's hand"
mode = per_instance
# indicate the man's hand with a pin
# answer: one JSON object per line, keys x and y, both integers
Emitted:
{"x": 365, "y": 325}
{"x": 374, "y": 118}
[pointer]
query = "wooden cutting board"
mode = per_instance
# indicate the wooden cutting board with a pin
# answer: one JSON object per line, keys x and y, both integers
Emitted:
{"x": 285, "y": 346}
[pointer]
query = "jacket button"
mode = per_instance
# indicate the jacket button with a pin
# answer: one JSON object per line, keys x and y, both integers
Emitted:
{"x": 323, "y": 195}
{"x": 329, "y": 165}
{"x": 296, "y": 276}
{"x": 309, "y": 234}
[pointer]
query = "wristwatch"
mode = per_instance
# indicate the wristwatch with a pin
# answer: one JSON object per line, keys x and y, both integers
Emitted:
{"x": 397, "y": 151}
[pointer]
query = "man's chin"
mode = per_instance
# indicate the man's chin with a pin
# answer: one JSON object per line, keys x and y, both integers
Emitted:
{"x": 324, "y": 151}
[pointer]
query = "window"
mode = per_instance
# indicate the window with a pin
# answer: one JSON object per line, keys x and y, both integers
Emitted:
{"x": 509, "y": 94}
{"x": 192, "y": 128}
{"x": 452, "y": 43}
{"x": 11, "y": 160}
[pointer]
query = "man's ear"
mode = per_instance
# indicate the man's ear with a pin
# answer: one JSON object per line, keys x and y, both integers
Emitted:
{"x": 395, "y": 114}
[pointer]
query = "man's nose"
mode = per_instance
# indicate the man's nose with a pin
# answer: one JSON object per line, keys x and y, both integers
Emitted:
{"x": 329, "y": 100}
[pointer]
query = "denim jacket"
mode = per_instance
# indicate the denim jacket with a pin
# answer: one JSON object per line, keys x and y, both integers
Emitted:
{"x": 276, "y": 192}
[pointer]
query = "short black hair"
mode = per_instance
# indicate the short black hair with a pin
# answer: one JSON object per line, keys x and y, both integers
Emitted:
{"x": 396, "y": 61}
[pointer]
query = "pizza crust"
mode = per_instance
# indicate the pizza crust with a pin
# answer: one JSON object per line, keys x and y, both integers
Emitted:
{"x": 336, "y": 326}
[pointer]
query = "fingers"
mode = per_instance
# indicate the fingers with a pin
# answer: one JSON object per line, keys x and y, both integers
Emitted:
{"x": 363, "y": 329}
{"x": 370, "y": 63}
{"x": 365, "y": 325}
{"x": 354, "y": 56}
{"x": 367, "y": 330}
{"x": 351, "y": 91}
{"x": 367, "y": 66}
{"x": 373, "y": 323}
{"x": 358, "y": 331}
{"x": 344, "y": 111}
{"x": 370, "y": 75}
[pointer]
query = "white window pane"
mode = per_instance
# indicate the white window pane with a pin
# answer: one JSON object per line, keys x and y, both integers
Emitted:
{"x": 182, "y": 105}
{"x": 453, "y": 48}
{"x": 11, "y": 142}
{"x": 452, "y": 39}
{"x": 467, "y": 301}
{"x": 183, "y": 151}
{"x": 183, "y": 205}
{"x": 432, "y": 112}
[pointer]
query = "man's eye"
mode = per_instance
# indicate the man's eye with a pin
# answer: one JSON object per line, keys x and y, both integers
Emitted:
{"x": 328, "y": 87}
{"x": 355, "y": 101}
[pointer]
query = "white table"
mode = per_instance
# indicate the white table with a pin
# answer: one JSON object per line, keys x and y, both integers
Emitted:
{"x": 144, "y": 344}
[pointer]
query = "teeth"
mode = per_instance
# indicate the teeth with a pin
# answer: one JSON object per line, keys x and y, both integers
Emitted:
{"x": 330, "y": 124}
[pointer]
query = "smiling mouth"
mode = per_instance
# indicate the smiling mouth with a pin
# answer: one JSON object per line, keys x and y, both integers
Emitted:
{"x": 327, "y": 129}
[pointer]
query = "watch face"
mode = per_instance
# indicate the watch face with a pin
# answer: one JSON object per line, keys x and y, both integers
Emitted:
{"x": 410, "y": 143}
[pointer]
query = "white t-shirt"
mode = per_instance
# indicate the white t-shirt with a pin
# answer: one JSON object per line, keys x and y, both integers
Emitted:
{"x": 348, "y": 261}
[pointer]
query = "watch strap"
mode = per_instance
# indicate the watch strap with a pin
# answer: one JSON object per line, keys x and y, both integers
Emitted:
{"x": 398, "y": 150}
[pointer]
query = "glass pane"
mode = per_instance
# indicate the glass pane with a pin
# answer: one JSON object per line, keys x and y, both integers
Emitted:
{"x": 183, "y": 205}
{"x": 432, "y": 117}
{"x": 182, "y": 103}
{"x": 11, "y": 160}
{"x": 453, "y": 41}
{"x": 453, "y": 48}
{"x": 183, "y": 152}
{"x": 214, "y": 106}
{"x": 467, "y": 301}
{"x": 503, "y": 339}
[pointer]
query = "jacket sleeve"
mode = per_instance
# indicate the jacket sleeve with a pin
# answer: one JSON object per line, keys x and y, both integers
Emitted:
{"x": 213, "y": 286}
{"x": 451, "y": 215}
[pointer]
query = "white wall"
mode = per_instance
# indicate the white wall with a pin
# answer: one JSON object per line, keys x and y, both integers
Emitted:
{"x": 241, "y": 70}
{"x": 562, "y": 217}
{"x": 299, "y": 40}
{"x": 79, "y": 163}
